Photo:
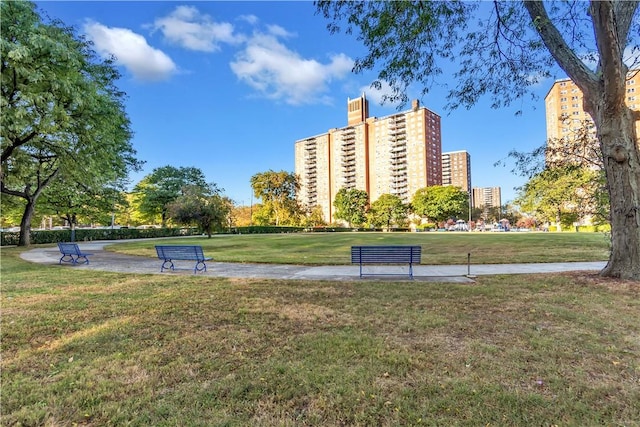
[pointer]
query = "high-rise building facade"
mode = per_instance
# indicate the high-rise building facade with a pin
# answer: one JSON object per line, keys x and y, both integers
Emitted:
{"x": 456, "y": 170}
{"x": 566, "y": 119}
{"x": 397, "y": 154}
{"x": 486, "y": 197}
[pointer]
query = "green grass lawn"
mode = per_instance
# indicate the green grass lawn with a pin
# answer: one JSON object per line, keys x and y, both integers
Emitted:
{"x": 437, "y": 248}
{"x": 81, "y": 347}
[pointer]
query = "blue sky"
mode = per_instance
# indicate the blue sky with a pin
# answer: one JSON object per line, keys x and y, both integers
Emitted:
{"x": 228, "y": 87}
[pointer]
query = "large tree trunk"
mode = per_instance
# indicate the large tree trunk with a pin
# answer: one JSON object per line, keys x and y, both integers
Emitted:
{"x": 25, "y": 223}
{"x": 621, "y": 155}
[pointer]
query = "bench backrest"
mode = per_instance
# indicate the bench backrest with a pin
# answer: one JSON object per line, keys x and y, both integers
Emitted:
{"x": 180, "y": 252}
{"x": 69, "y": 248}
{"x": 386, "y": 254}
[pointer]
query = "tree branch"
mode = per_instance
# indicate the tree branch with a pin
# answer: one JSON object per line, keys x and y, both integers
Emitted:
{"x": 610, "y": 51}
{"x": 6, "y": 153}
{"x": 624, "y": 11}
{"x": 559, "y": 49}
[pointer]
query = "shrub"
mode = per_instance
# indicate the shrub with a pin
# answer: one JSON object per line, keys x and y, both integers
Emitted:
{"x": 89, "y": 234}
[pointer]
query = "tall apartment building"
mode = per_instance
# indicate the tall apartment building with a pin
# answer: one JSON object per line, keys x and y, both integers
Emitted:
{"x": 486, "y": 197}
{"x": 396, "y": 154}
{"x": 456, "y": 170}
{"x": 566, "y": 119}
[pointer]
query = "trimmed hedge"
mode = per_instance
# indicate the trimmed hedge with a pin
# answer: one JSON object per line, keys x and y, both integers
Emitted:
{"x": 89, "y": 234}
{"x": 264, "y": 229}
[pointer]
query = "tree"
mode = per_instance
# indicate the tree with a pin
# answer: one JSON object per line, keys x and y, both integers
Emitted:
{"x": 440, "y": 203}
{"x": 562, "y": 195}
{"x": 565, "y": 172}
{"x": 351, "y": 206}
{"x": 205, "y": 207}
{"x": 242, "y": 215}
{"x": 164, "y": 185}
{"x": 501, "y": 52}
{"x": 278, "y": 191}
{"x": 62, "y": 115}
{"x": 388, "y": 210}
{"x": 314, "y": 217}
{"x": 81, "y": 204}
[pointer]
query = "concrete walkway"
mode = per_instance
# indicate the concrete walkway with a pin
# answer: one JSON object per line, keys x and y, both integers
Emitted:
{"x": 109, "y": 261}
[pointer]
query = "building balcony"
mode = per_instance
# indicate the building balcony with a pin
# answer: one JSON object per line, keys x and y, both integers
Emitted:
{"x": 347, "y": 136}
{"x": 399, "y": 187}
{"x": 399, "y": 172}
{"x": 397, "y": 134}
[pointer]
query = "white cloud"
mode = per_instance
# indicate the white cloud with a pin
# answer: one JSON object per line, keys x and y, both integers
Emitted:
{"x": 187, "y": 27}
{"x": 131, "y": 51}
{"x": 282, "y": 74}
{"x": 278, "y": 31}
{"x": 251, "y": 19}
{"x": 376, "y": 95}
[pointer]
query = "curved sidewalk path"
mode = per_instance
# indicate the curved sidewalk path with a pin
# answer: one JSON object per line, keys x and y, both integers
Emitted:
{"x": 115, "y": 262}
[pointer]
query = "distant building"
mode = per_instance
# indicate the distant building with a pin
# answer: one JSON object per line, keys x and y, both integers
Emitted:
{"x": 486, "y": 197}
{"x": 456, "y": 170}
{"x": 397, "y": 154}
{"x": 567, "y": 120}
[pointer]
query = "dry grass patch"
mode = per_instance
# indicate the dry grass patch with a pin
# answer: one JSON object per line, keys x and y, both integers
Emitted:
{"x": 112, "y": 349}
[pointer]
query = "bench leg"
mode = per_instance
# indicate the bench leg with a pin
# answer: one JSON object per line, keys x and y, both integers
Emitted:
{"x": 67, "y": 258}
{"x": 200, "y": 266}
{"x": 168, "y": 264}
{"x": 86, "y": 260}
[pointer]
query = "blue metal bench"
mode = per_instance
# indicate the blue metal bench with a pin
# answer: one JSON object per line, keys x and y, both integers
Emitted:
{"x": 71, "y": 253}
{"x": 363, "y": 255}
{"x": 168, "y": 254}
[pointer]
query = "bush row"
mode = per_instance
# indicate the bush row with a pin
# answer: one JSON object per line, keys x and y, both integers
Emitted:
{"x": 268, "y": 229}
{"x": 89, "y": 234}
